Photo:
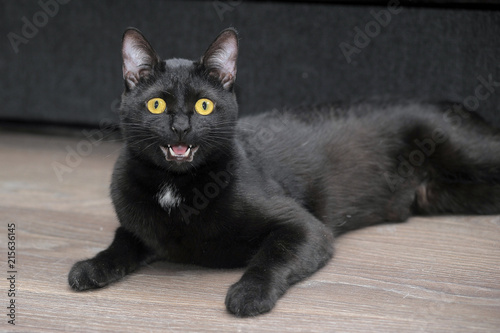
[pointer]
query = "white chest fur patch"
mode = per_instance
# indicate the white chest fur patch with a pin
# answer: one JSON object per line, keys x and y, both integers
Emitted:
{"x": 168, "y": 197}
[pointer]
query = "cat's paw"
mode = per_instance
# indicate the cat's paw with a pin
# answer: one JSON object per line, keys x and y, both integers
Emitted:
{"x": 91, "y": 274}
{"x": 250, "y": 298}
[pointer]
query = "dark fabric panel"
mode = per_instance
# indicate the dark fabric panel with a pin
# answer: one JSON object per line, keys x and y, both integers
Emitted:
{"x": 69, "y": 71}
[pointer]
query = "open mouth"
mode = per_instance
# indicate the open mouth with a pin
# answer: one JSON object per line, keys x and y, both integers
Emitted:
{"x": 179, "y": 153}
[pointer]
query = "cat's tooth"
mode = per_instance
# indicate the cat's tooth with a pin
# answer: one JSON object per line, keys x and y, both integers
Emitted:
{"x": 171, "y": 151}
{"x": 164, "y": 150}
{"x": 188, "y": 151}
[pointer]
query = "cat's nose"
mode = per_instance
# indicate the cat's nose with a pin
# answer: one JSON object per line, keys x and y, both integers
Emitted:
{"x": 180, "y": 126}
{"x": 181, "y": 131}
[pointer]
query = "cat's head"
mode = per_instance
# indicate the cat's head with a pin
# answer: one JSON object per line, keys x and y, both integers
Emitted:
{"x": 179, "y": 114}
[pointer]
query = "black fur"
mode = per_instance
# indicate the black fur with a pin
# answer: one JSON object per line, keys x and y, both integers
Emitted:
{"x": 271, "y": 191}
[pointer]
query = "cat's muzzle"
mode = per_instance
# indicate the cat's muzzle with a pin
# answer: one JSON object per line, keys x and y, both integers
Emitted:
{"x": 179, "y": 153}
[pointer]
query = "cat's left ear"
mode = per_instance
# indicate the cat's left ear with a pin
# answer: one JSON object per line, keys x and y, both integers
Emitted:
{"x": 139, "y": 57}
{"x": 220, "y": 58}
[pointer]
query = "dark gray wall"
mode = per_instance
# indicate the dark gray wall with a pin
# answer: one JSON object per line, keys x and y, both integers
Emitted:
{"x": 69, "y": 72}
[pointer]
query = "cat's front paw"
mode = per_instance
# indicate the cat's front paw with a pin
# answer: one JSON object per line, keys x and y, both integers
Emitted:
{"x": 91, "y": 274}
{"x": 248, "y": 297}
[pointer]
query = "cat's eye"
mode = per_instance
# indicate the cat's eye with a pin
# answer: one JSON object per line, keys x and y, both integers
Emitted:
{"x": 204, "y": 106}
{"x": 156, "y": 105}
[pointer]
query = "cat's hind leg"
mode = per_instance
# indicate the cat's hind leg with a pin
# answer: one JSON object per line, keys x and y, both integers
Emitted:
{"x": 463, "y": 173}
{"x": 123, "y": 256}
{"x": 456, "y": 198}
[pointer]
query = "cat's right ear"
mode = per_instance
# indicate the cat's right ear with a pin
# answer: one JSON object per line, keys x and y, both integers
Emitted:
{"x": 139, "y": 57}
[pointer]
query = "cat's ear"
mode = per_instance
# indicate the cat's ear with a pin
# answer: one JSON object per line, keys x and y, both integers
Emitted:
{"x": 139, "y": 57}
{"x": 220, "y": 58}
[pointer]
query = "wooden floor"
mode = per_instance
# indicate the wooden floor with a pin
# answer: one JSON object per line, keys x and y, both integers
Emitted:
{"x": 427, "y": 275}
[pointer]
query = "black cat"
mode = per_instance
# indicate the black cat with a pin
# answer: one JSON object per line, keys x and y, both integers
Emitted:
{"x": 195, "y": 185}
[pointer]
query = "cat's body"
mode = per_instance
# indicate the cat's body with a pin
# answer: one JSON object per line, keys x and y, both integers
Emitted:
{"x": 271, "y": 191}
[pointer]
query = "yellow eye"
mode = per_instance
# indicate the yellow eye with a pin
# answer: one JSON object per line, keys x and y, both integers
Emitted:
{"x": 156, "y": 105}
{"x": 204, "y": 106}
